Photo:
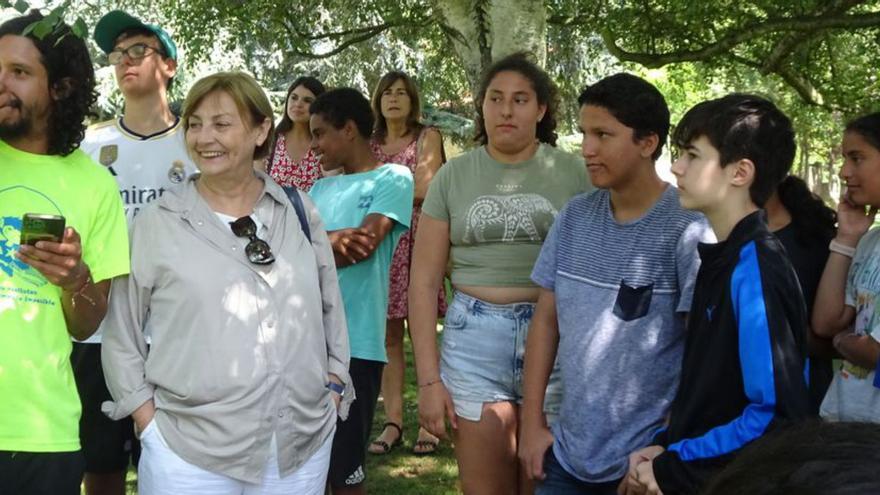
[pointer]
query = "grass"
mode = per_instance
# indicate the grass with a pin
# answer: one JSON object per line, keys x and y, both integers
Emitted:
{"x": 399, "y": 472}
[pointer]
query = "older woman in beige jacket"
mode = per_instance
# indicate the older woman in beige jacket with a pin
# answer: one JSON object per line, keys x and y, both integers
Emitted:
{"x": 247, "y": 368}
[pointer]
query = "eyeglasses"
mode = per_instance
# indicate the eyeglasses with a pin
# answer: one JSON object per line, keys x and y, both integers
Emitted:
{"x": 136, "y": 51}
{"x": 257, "y": 250}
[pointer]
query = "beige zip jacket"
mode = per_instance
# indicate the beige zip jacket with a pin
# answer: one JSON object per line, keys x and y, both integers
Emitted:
{"x": 239, "y": 351}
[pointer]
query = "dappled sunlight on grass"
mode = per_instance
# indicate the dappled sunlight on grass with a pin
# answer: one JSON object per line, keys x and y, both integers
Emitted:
{"x": 402, "y": 472}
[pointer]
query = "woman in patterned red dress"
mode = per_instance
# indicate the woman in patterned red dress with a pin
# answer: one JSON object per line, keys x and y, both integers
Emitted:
{"x": 400, "y": 138}
{"x": 292, "y": 161}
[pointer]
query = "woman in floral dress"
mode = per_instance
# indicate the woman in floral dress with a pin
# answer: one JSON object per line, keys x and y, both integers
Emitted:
{"x": 292, "y": 161}
{"x": 400, "y": 138}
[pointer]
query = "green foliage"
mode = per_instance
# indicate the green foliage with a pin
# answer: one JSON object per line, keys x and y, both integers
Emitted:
{"x": 818, "y": 59}
{"x": 53, "y": 22}
{"x": 822, "y": 50}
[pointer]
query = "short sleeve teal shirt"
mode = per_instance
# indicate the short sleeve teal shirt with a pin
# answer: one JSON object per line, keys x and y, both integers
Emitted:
{"x": 343, "y": 202}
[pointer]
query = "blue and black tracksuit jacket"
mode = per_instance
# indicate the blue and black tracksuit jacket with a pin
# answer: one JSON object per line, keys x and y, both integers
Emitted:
{"x": 744, "y": 364}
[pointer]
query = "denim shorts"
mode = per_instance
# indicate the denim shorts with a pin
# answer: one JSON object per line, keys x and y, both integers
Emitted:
{"x": 483, "y": 353}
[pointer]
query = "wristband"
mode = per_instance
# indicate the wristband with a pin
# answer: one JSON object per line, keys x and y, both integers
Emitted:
{"x": 841, "y": 249}
{"x": 81, "y": 292}
{"x": 429, "y": 383}
{"x": 336, "y": 387}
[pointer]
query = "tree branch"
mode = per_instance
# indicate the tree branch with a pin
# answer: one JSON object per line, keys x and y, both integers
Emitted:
{"x": 347, "y": 32}
{"x": 787, "y": 45}
{"x": 782, "y": 50}
{"x": 802, "y": 86}
{"x": 341, "y": 46}
{"x": 568, "y": 20}
{"x": 361, "y": 34}
{"x": 481, "y": 22}
{"x": 742, "y": 34}
{"x": 578, "y": 18}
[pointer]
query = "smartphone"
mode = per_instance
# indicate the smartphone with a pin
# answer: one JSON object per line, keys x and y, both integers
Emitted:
{"x": 36, "y": 227}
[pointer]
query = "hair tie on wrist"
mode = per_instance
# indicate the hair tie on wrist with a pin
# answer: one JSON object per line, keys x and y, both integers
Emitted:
{"x": 836, "y": 247}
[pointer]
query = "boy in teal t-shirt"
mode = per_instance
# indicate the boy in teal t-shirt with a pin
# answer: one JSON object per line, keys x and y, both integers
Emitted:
{"x": 365, "y": 211}
{"x": 345, "y": 201}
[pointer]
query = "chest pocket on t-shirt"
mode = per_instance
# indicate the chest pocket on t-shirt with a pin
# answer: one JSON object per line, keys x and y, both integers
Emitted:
{"x": 632, "y": 302}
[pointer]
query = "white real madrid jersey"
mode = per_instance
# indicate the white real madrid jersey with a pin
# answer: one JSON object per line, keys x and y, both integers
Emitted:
{"x": 143, "y": 166}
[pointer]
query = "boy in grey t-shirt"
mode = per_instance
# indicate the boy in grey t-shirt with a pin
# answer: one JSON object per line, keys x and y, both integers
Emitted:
{"x": 617, "y": 272}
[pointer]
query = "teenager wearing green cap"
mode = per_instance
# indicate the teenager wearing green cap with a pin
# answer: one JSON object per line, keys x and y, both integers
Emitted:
{"x": 144, "y": 150}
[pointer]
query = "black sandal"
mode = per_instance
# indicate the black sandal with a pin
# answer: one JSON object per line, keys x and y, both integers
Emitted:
{"x": 385, "y": 447}
{"x": 425, "y": 447}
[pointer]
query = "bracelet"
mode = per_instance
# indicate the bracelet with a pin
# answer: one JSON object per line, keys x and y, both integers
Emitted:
{"x": 841, "y": 249}
{"x": 431, "y": 382}
{"x": 81, "y": 291}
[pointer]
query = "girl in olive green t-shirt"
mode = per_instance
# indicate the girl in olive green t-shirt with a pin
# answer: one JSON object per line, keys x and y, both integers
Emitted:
{"x": 488, "y": 211}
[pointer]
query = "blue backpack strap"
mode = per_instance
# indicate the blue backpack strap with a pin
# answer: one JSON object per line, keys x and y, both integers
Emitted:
{"x": 296, "y": 201}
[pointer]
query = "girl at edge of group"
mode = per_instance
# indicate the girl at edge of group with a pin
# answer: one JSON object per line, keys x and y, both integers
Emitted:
{"x": 847, "y": 297}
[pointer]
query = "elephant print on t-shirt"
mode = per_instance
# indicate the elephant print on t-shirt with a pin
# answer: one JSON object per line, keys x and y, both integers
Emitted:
{"x": 501, "y": 218}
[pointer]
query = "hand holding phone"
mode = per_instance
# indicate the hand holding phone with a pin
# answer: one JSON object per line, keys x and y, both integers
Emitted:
{"x": 60, "y": 262}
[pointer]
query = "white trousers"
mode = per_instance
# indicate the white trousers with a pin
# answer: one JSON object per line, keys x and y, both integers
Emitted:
{"x": 162, "y": 472}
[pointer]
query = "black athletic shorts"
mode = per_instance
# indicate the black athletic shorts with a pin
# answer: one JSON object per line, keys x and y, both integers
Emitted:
{"x": 40, "y": 473}
{"x": 350, "y": 442}
{"x": 107, "y": 445}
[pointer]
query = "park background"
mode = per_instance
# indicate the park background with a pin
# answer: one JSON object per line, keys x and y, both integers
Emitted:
{"x": 817, "y": 59}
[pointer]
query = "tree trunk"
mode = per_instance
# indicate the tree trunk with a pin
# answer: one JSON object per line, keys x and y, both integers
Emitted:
{"x": 485, "y": 30}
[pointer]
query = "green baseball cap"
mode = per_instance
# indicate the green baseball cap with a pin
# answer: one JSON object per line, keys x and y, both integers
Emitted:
{"x": 115, "y": 22}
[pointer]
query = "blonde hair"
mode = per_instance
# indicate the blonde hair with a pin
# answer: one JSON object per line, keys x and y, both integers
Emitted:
{"x": 248, "y": 96}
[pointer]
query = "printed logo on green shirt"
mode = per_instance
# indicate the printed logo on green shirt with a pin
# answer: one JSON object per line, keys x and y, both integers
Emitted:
{"x": 10, "y": 233}
{"x": 10, "y": 236}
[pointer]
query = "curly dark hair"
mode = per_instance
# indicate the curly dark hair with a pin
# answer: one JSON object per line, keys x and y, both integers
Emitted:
{"x": 809, "y": 214}
{"x": 70, "y": 76}
{"x": 545, "y": 89}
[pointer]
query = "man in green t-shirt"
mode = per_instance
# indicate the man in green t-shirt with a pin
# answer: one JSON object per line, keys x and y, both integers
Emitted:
{"x": 53, "y": 290}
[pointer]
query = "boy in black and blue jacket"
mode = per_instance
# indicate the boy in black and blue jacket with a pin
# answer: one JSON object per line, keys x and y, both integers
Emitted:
{"x": 744, "y": 364}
